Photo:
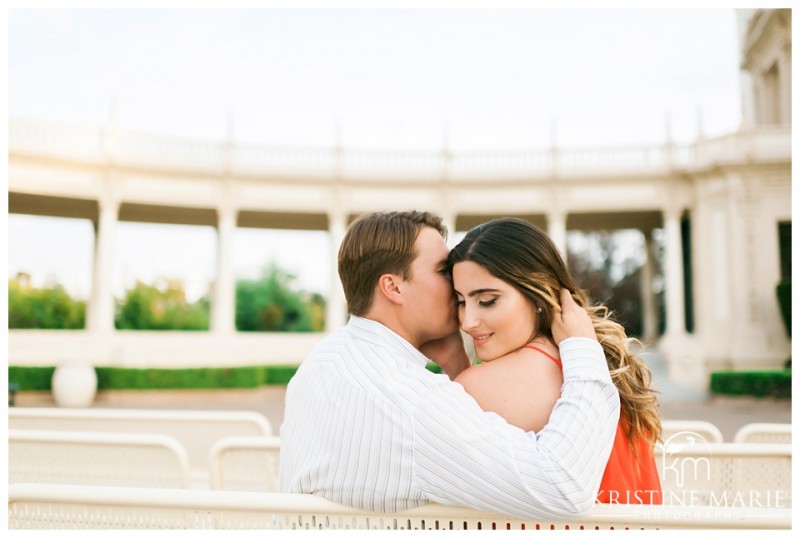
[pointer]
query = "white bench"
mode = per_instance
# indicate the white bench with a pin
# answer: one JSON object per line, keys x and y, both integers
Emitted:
{"x": 101, "y": 459}
{"x": 704, "y": 429}
{"x": 246, "y": 463}
{"x": 691, "y": 474}
{"x": 45, "y": 506}
{"x": 196, "y": 431}
{"x": 737, "y": 474}
{"x": 764, "y": 432}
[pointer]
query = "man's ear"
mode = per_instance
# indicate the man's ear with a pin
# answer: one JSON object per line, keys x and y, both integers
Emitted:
{"x": 389, "y": 286}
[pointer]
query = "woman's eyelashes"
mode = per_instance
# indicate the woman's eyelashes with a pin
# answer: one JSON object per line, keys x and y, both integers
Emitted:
{"x": 485, "y": 303}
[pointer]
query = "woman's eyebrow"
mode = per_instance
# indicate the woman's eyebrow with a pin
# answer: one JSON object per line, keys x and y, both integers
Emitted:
{"x": 473, "y": 293}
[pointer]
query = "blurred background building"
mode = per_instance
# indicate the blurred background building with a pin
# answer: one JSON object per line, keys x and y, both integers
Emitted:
{"x": 719, "y": 206}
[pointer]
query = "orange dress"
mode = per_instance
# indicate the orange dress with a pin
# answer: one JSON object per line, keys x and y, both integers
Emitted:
{"x": 626, "y": 480}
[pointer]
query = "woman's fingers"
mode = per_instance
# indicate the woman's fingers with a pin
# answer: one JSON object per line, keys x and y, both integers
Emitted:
{"x": 571, "y": 320}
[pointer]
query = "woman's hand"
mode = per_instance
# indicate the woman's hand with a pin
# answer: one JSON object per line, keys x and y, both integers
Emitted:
{"x": 571, "y": 320}
{"x": 448, "y": 352}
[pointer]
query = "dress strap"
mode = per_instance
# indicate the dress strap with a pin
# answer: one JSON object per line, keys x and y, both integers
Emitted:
{"x": 546, "y": 354}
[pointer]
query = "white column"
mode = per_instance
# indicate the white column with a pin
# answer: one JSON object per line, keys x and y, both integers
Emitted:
{"x": 223, "y": 305}
{"x": 336, "y": 308}
{"x": 557, "y": 230}
{"x": 649, "y": 315}
{"x": 100, "y": 317}
{"x": 785, "y": 87}
{"x": 673, "y": 273}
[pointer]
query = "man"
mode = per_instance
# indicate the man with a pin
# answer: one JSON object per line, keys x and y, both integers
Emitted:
{"x": 367, "y": 425}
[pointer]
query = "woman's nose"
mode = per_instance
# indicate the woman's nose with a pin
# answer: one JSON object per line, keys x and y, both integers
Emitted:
{"x": 467, "y": 318}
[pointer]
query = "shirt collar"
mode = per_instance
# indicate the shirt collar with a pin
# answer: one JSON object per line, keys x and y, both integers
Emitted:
{"x": 388, "y": 337}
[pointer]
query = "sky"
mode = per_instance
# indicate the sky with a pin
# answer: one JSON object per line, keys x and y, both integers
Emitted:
{"x": 488, "y": 79}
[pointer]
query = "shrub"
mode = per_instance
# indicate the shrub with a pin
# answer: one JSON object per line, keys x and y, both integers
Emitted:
{"x": 113, "y": 378}
{"x": 31, "y": 377}
{"x": 42, "y": 308}
{"x": 776, "y": 384}
{"x": 110, "y": 378}
{"x": 272, "y": 303}
{"x": 161, "y": 307}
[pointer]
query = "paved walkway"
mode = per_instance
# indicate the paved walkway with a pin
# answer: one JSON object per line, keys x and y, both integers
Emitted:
{"x": 728, "y": 413}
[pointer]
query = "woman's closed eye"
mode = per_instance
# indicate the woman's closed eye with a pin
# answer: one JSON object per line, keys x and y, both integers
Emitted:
{"x": 487, "y": 303}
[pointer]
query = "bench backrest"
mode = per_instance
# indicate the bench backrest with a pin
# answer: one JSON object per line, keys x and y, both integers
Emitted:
{"x": 40, "y": 506}
{"x": 702, "y": 428}
{"x": 196, "y": 431}
{"x": 246, "y": 463}
{"x": 715, "y": 474}
{"x": 101, "y": 459}
{"x": 694, "y": 473}
{"x": 764, "y": 432}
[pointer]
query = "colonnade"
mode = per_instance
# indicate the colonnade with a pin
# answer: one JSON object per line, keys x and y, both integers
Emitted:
{"x": 100, "y": 317}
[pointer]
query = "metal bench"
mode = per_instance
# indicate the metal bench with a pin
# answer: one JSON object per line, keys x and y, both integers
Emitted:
{"x": 196, "y": 431}
{"x": 725, "y": 474}
{"x": 764, "y": 432}
{"x": 246, "y": 463}
{"x": 101, "y": 459}
{"x": 702, "y": 428}
{"x": 44, "y": 506}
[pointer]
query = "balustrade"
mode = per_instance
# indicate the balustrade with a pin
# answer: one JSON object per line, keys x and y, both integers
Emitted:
{"x": 174, "y": 153}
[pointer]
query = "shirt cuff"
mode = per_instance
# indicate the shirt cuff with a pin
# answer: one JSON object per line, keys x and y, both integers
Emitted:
{"x": 583, "y": 358}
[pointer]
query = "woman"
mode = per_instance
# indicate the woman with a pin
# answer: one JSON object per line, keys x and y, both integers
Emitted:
{"x": 507, "y": 275}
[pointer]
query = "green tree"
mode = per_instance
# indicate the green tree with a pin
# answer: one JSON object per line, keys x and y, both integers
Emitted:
{"x": 161, "y": 308}
{"x": 272, "y": 303}
{"x": 611, "y": 276}
{"x": 42, "y": 308}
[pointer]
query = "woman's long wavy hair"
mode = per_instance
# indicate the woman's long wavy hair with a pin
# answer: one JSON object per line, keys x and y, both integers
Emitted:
{"x": 523, "y": 256}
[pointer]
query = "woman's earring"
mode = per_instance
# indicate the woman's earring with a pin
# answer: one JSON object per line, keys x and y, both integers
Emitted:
{"x": 539, "y": 310}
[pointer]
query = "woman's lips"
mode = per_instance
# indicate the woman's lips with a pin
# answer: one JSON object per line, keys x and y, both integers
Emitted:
{"x": 480, "y": 340}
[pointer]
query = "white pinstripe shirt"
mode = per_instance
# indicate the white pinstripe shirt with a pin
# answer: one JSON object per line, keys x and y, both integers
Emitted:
{"x": 367, "y": 425}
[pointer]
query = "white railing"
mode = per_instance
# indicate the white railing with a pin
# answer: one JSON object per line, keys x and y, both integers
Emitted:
{"x": 412, "y": 165}
{"x": 502, "y": 164}
{"x": 251, "y": 159}
{"x": 80, "y": 143}
{"x": 761, "y": 143}
{"x": 36, "y": 137}
{"x": 144, "y": 149}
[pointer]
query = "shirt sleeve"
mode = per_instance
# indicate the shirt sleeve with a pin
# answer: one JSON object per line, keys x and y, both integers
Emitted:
{"x": 464, "y": 456}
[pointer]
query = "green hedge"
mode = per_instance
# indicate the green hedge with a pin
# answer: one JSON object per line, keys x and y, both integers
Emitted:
{"x": 776, "y": 383}
{"x": 31, "y": 377}
{"x": 110, "y": 378}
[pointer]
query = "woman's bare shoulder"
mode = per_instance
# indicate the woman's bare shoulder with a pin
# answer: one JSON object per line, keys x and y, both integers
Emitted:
{"x": 521, "y": 364}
